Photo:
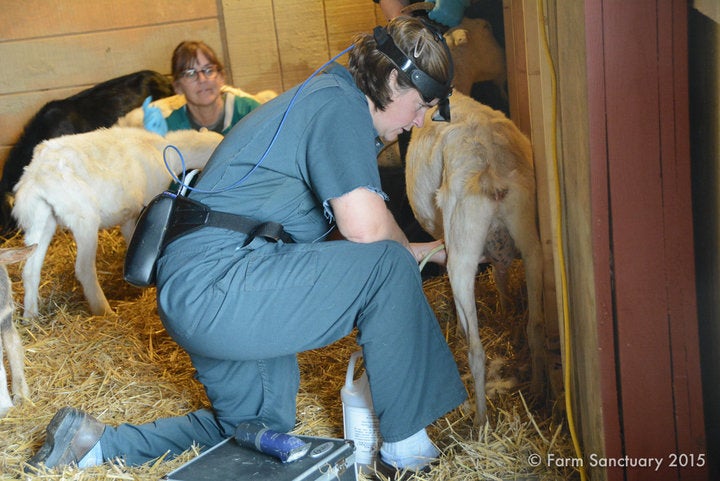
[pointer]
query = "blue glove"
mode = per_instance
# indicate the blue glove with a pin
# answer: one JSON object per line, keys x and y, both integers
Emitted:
{"x": 448, "y": 12}
{"x": 153, "y": 119}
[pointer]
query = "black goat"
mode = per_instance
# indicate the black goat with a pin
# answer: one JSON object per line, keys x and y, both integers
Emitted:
{"x": 98, "y": 106}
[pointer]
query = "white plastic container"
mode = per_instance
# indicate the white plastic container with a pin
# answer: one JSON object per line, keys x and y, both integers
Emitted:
{"x": 359, "y": 420}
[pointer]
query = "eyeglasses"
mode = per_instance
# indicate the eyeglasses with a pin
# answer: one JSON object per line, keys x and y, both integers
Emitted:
{"x": 210, "y": 72}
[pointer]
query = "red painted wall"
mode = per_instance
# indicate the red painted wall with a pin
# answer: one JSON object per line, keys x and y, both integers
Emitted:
{"x": 642, "y": 221}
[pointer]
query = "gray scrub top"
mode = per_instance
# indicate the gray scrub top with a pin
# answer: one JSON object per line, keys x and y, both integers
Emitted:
{"x": 327, "y": 147}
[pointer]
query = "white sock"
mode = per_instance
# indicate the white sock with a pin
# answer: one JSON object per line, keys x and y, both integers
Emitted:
{"x": 94, "y": 457}
{"x": 414, "y": 452}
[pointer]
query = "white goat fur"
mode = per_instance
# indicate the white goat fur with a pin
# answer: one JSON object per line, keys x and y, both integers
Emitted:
{"x": 471, "y": 183}
{"x": 9, "y": 335}
{"x": 135, "y": 117}
{"x": 477, "y": 56}
{"x": 92, "y": 181}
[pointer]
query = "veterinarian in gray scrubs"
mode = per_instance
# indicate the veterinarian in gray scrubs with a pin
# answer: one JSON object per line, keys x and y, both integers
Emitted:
{"x": 243, "y": 306}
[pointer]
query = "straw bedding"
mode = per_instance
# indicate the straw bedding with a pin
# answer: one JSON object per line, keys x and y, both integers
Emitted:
{"x": 125, "y": 368}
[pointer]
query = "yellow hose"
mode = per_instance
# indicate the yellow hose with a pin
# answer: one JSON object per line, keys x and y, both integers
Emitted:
{"x": 560, "y": 253}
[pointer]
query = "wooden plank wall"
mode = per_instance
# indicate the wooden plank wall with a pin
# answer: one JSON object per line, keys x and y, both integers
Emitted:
{"x": 624, "y": 170}
{"x": 527, "y": 92}
{"x": 645, "y": 154}
{"x": 288, "y": 40}
{"x": 53, "y": 49}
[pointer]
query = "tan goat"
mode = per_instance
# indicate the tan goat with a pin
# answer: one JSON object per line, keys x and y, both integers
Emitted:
{"x": 471, "y": 182}
{"x": 477, "y": 56}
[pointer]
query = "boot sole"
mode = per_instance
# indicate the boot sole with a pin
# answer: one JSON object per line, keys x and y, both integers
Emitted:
{"x": 57, "y": 448}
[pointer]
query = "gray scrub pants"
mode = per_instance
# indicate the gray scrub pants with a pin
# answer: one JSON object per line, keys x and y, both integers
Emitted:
{"x": 243, "y": 314}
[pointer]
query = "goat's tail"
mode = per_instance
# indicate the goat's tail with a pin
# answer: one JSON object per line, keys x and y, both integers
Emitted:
{"x": 488, "y": 183}
{"x": 29, "y": 206}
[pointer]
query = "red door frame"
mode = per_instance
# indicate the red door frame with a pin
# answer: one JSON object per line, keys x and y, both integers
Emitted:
{"x": 642, "y": 230}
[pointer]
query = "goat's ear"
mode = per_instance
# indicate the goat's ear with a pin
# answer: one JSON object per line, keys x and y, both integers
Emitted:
{"x": 16, "y": 254}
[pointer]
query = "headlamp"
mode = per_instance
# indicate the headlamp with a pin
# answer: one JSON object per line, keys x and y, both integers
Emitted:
{"x": 429, "y": 88}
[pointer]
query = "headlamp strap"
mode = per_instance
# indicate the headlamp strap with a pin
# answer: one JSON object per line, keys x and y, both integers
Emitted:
{"x": 429, "y": 88}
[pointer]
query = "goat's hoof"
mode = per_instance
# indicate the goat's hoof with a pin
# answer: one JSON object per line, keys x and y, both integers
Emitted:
{"x": 480, "y": 421}
{"x": 20, "y": 397}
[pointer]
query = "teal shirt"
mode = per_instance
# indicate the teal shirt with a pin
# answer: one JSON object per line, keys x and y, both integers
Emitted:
{"x": 179, "y": 120}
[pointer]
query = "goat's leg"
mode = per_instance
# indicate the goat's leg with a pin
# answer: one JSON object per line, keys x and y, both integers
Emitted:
{"x": 16, "y": 357}
{"x": 466, "y": 228}
{"x": 41, "y": 233}
{"x": 86, "y": 238}
{"x": 522, "y": 227}
{"x": 5, "y": 401}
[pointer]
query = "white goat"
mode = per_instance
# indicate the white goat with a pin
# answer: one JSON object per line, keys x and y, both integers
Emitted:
{"x": 93, "y": 181}
{"x": 477, "y": 56}
{"x": 9, "y": 335}
{"x": 471, "y": 182}
{"x": 134, "y": 118}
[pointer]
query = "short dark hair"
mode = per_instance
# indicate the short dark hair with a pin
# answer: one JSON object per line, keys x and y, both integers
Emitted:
{"x": 371, "y": 68}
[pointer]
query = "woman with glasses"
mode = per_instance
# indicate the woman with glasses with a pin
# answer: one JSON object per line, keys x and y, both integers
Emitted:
{"x": 199, "y": 75}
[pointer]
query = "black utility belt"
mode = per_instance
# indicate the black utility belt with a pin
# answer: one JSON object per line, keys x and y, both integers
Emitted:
{"x": 169, "y": 216}
{"x": 190, "y": 215}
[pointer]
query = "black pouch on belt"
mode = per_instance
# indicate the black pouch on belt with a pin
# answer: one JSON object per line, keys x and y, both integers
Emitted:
{"x": 170, "y": 215}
